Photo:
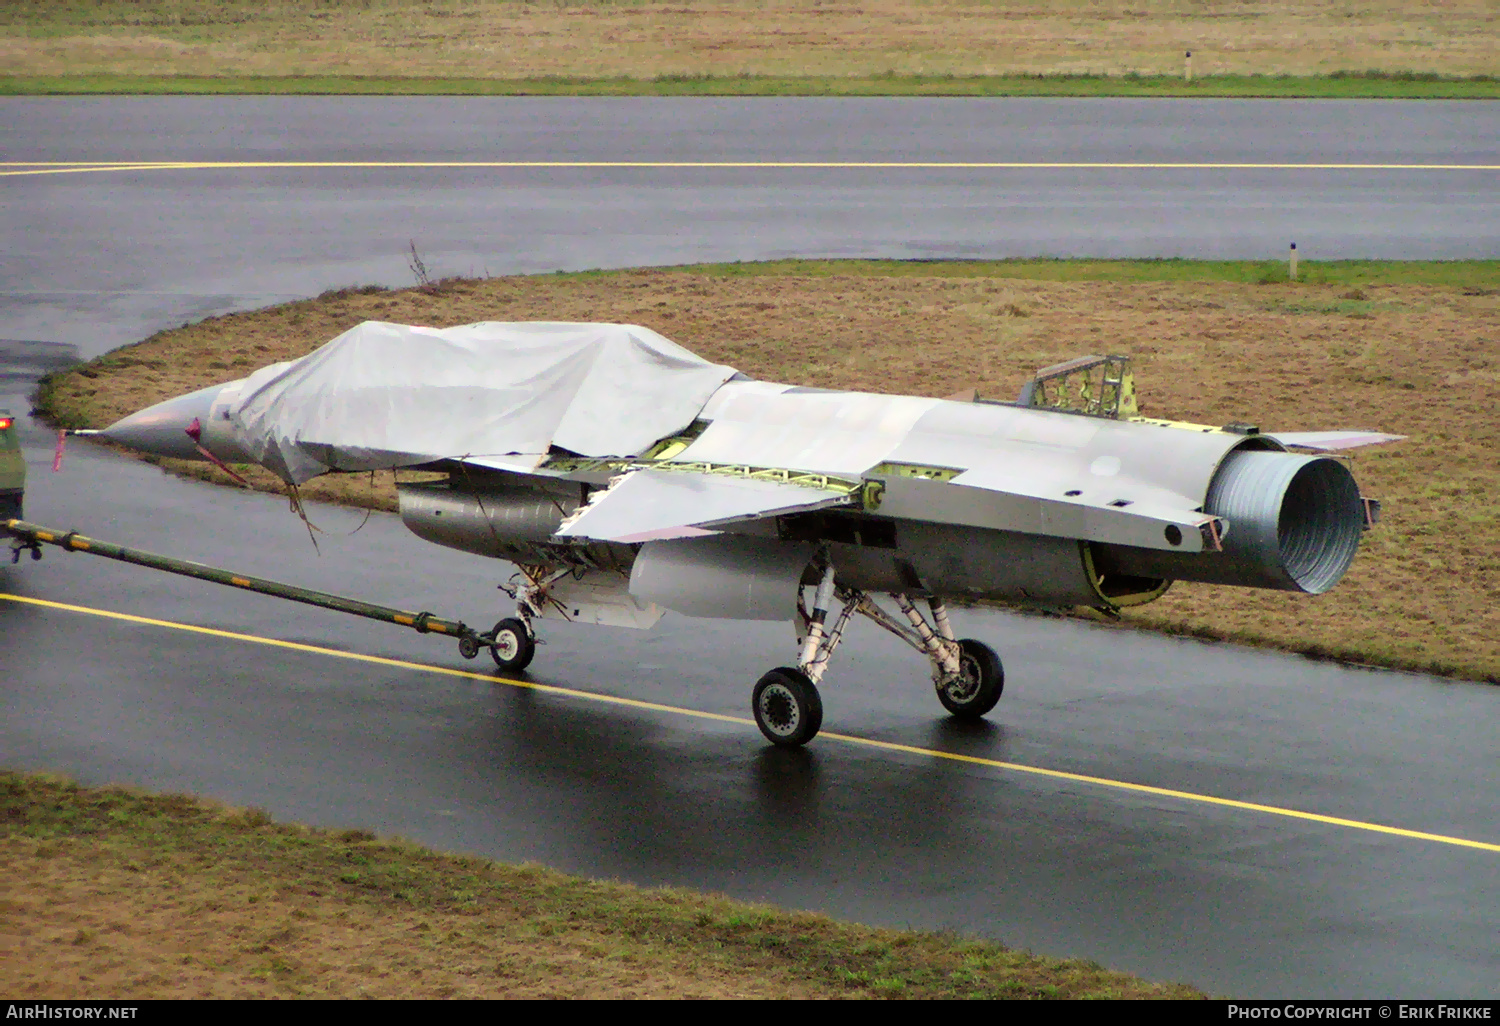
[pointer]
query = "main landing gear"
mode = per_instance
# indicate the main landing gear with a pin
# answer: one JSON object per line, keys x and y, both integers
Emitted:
{"x": 967, "y": 674}
{"x": 788, "y": 709}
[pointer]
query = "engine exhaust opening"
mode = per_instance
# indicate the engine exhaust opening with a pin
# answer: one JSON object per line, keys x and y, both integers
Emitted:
{"x": 1295, "y": 521}
{"x": 1320, "y": 524}
{"x": 1294, "y": 525}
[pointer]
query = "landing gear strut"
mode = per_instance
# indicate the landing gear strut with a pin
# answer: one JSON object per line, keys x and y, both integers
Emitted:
{"x": 967, "y": 674}
{"x": 788, "y": 709}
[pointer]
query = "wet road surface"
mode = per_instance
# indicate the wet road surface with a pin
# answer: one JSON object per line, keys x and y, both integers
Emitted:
{"x": 102, "y": 258}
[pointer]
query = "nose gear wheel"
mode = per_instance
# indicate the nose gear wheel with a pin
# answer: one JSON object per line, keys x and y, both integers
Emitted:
{"x": 514, "y": 646}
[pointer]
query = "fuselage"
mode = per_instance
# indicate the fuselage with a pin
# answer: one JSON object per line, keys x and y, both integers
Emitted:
{"x": 983, "y": 501}
{"x": 979, "y": 501}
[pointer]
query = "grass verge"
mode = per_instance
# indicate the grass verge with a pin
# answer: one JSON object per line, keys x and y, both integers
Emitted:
{"x": 1403, "y": 347}
{"x": 120, "y": 894}
{"x": 1338, "y": 86}
{"x": 884, "y": 47}
{"x": 1471, "y": 275}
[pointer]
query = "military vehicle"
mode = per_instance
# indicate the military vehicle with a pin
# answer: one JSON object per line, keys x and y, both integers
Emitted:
{"x": 12, "y": 469}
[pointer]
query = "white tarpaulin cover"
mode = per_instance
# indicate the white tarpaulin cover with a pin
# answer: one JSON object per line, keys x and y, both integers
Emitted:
{"x": 387, "y": 395}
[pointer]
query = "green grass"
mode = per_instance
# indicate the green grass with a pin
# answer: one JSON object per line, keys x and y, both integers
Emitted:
{"x": 1476, "y": 276}
{"x": 1341, "y": 85}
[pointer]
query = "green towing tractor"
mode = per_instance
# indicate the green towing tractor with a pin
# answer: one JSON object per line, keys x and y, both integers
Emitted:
{"x": 12, "y": 471}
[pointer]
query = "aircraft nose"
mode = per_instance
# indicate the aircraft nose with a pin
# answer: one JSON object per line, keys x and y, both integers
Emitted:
{"x": 163, "y": 429}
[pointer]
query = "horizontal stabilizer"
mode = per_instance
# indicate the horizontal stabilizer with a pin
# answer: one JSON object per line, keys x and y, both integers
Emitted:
{"x": 655, "y": 505}
{"x": 1331, "y": 441}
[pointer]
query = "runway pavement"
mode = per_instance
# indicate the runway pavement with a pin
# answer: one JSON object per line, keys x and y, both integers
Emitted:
{"x": 1197, "y": 885}
{"x": 102, "y": 258}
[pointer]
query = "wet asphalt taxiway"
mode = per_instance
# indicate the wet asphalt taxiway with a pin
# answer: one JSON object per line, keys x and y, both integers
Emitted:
{"x": 1234, "y": 900}
{"x": 102, "y": 257}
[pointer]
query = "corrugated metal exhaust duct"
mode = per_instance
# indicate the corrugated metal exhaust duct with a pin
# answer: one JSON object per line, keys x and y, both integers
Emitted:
{"x": 1294, "y": 525}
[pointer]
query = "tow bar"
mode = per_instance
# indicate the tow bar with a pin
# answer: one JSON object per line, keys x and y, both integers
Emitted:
{"x": 32, "y": 537}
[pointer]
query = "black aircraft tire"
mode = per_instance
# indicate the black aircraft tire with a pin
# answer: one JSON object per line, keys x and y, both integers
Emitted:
{"x": 981, "y": 681}
{"x": 514, "y": 646}
{"x": 788, "y": 709}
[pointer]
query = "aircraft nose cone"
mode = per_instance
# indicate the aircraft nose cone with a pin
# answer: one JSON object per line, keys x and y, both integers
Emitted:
{"x": 163, "y": 429}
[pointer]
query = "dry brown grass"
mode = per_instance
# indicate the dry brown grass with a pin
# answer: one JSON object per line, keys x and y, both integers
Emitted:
{"x": 133, "y": 924}
{"x": 1420, "y": 360}
{"x": 109, "y": 894}
{"x": 647, "y": 38}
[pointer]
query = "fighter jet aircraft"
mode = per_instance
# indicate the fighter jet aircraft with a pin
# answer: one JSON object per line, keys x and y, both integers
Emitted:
{"x": 624, "y": 476}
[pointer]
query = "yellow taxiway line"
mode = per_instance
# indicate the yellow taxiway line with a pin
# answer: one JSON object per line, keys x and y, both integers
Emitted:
{"x": 889, "y": 746}
{"x": 76, "y": 167}
{"x": 34, "y": 169}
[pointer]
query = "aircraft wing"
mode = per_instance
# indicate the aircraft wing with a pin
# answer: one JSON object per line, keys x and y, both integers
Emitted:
{"x": 654, "y": 505}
